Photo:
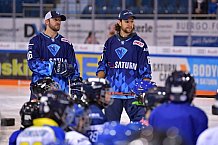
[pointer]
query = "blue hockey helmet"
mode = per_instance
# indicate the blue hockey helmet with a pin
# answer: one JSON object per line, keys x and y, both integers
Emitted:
{"x": 180, "y": 87}
{"x": 81, "y": 120}
{"x": 97, "y": 90}
{"x": 155, "y": 96}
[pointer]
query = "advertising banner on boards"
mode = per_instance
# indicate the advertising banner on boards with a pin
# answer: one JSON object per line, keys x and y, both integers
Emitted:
{"x": 204, "y": 69}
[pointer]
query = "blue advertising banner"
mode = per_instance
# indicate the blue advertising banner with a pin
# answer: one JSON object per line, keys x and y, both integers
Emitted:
{"x": 205, "y": 69}
{"x": 200, "y": 41}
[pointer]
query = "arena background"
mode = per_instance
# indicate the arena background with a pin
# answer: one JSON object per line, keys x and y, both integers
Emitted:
{"x": 177, "y": 38}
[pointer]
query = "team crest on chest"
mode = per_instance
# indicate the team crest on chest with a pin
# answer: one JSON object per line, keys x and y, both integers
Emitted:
{"x": 121, "y": 51}
{"x": 53, "y": 48}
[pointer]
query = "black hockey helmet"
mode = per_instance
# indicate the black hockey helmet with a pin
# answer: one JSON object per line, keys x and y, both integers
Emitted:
{"x": 155, "y": 96}
{"x": 57, "y": 105}
{"x": 42, "y": 85}
{"x": 28, "y": 112}
{"x": 180, "y": 87}
{"x": 97, "y": 90}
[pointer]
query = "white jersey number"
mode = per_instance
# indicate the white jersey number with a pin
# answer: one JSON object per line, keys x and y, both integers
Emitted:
{"x": 29, "y": 55}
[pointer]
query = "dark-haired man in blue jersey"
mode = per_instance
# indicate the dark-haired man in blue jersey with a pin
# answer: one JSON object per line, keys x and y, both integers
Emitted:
{"x": 125, "y": 61}
{"x": 52, "y": 55}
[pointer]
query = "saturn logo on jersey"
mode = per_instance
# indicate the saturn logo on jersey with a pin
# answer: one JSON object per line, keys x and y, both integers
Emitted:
{"x": 58, "y": 59}
{"x": 125, "y": 65}
{"x": 139, "y": 43}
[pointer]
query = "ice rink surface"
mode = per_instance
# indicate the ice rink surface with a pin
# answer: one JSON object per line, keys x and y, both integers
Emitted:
{"x": 12, "y": 98}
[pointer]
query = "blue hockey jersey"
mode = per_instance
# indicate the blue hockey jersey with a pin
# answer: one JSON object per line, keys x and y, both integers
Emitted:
{"x": 125, "y": 62}
{"x": 97, "y": 119}
{"x": 43, "y": 51}
{"x": 189, "y": 120}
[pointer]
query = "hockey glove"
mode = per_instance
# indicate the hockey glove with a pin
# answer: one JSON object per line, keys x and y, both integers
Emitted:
{"x": 63, "y": 68}
{"x": 76, "y": 87}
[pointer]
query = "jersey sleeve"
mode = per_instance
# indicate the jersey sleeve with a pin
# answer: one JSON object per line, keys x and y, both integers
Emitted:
{"x": 144, "y": 62}
{"x": 71, "y": 58}
{"x": 102, "y": 64}
{"x": 35, "y": 63}
{"x": 13, "y": 137}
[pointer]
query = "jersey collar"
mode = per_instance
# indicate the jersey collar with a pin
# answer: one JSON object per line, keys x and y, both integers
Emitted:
{"x": 44, "y": 121}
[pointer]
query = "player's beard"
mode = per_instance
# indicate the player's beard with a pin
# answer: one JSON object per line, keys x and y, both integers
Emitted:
{"x": 55, "y": 28}
{"x": 127, "y": 30}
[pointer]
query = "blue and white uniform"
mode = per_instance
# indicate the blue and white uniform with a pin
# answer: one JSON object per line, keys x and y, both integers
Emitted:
{"x": 13, "y": 137}
{"x": 97, "y": 118}
{"x": 44, "y": 131}
{"x": 76, "y": 138}
{"x": 43, "y": 51}
{"x": 125, "y": 61}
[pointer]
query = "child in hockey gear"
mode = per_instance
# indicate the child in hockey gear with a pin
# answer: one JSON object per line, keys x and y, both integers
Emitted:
{"x": 42, "y": 85}
{"x": 97, "y": 92}
{"x": 209, "y": 136}
{"x": 76, "y": 130}
{"x": 125, "y": 60}
{"x": 179, "y": 113}
{"x": 155, "y": 96}
{"x": 56, "y": 113}
{"x": 28, "y": 112}
{"x": 52, "y": 55}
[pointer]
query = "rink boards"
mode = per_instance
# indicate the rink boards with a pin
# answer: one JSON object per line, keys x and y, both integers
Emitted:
{"x": 14, "y": 69}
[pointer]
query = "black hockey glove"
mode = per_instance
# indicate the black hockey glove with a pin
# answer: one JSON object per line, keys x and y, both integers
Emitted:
{"x": 63, "y": 68}
{"x": 76, "y": 85}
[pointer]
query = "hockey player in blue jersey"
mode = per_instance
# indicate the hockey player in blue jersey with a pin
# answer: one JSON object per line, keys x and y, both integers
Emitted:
{"x": 179, "y": 114}
{"x": 28, "y": 112}
{"x": 56, "y": 113}
{"x": 124, "y": 61}
{"x": 97, "y": 92}
{"x": 75, "y": 132}
{"x": 50, "y": 54}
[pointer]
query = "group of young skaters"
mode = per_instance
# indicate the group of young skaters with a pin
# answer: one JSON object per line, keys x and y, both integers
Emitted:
{"x": 57, "y": 118}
